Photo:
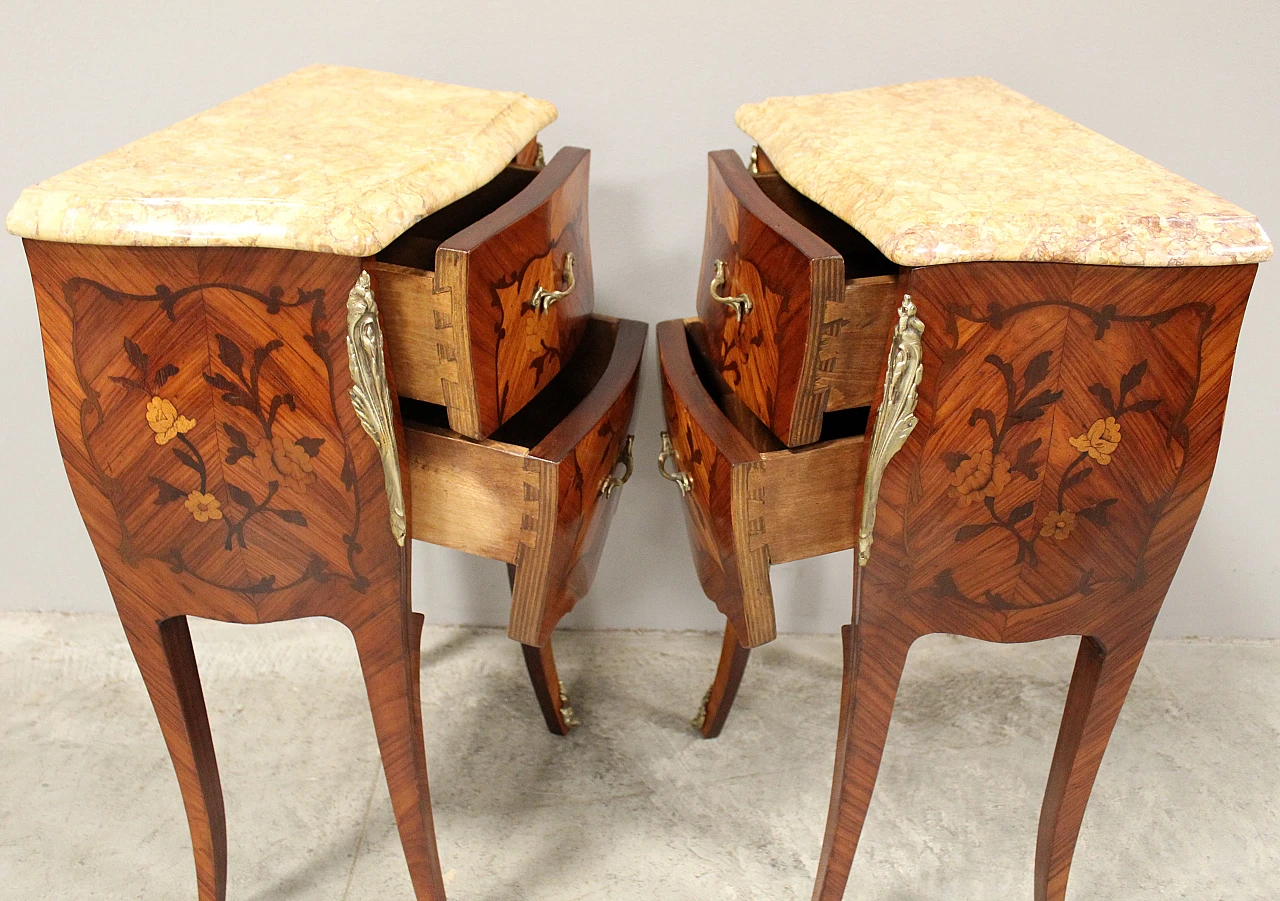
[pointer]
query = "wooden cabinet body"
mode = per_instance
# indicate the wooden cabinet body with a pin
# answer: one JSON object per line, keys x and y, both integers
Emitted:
{"x": 1021, "y": 451}
{"x": 329, "y": 339}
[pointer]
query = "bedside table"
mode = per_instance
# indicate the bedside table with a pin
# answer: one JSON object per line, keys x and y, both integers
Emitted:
{"x": 998, "y": 342}
{"x": 250, "y": 438}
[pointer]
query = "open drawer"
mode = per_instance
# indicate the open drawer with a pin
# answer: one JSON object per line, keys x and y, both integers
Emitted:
{"x": 484, "y": 301}
{"x": 748, "y": 500}
{"x": 538, "y": 493}
{"x": 798, "y": 306}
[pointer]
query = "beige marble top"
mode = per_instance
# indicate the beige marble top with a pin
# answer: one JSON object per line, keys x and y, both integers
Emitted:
{"x": 965, "y": 169}
{"x": 327, "y": 158}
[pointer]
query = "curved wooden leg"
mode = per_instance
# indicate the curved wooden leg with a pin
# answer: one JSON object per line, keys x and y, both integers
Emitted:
{"x": 168, "y": 664}
{"x": 1098, "y": 688}
{"x": 724, "y": 688}
{"x": 553, "y": 701}
{"x": 873, "y": 661}
{"x": 547, "y": 687}
{"x": 389, "y": 652}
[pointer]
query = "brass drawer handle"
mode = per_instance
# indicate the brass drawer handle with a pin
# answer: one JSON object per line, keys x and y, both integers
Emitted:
{"x": 741, "y": 303}
{"x": 543, "y": 299}
{"x": 682, "y": 480}
{"x": 612, "y": 482}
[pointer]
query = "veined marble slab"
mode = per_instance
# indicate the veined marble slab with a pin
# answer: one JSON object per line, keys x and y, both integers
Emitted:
{"x": 327, "y": 158}
{"x": 964, "y": 169}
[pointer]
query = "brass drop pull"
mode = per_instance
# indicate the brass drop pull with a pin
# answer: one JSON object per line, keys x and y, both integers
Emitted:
{"x": 682, "y": 480}
{"x": 543, "y": 299}
{"x": 741, "y": 303}
{"x": 612, "y": 482}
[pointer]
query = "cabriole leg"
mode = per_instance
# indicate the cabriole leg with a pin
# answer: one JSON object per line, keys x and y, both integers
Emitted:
{"x": 1098, "y": 688}
{"x": 874, "y": 657}
{"x": 724, "y": 688}
{"x": 168, "y": 664}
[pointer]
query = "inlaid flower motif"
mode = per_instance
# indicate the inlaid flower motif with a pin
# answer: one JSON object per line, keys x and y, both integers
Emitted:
{"x": 1100, "y": 441}
{"x": 1058, "y": 525}
{"x": 165, "y": 421}
{"x": 203, "y": 507}
{"x": 982, "y": 475}
{"x": 292, "y": 463}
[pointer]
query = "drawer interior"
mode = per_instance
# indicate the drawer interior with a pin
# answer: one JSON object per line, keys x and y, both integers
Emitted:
{"x": 561, "y": 395}
{"x": 407, "y": 300}
{"x": 491, "y": 497}
{"x": 416, "y": 248}
{"x": 862, "y": 259}
{"x": 799, "y": 518}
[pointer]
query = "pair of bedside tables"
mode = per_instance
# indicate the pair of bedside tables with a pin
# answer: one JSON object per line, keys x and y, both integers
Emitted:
{"x": 937, "y": 322}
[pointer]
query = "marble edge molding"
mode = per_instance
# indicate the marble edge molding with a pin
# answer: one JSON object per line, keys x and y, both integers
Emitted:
{"x": 913, "y": 220}
{"x": 360, "y": 223}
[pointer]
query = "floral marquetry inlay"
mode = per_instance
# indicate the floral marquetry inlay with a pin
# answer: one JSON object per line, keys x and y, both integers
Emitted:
{"x": 1058, "y": 429}
{"x": 210, "y": 452}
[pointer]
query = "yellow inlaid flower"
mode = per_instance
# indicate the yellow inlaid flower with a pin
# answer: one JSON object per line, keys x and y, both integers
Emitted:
{"x": 1058, "y": 525}
{"x": 1101, "y": 441}
{"x": 203, "y": 507}
{"x": 982, "y": 475}
{"x": 165, "y": 421}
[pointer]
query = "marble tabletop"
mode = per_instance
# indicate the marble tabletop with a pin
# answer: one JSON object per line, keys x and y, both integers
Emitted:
{"x": 327, "y": 158}
{"x": 964, "y": 169}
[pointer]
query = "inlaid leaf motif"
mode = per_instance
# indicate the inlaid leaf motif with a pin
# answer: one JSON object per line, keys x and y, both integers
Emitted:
{"x": 964, "y": 533}
{"x": 1103, "y": 393}
{"x": 311, "y": 446}
{"x": 166, "y": 493}
{"x": 230, "y": 355}
{"x": 164, "y": 373}
{"x": 1021, "y": 512}
{"x": 1097, "y": 513}
{"x": 239, "y": 444}
{"x": 1037, "y": 370}
{"x": 187, "y": 460}
{"x": 240, "y": 496}
{"x": 1131, "y": 378}
{"x": 136, "y": 356}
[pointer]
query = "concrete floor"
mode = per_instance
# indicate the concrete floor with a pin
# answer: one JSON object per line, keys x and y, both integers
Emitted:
{"x": 632, "y": 805}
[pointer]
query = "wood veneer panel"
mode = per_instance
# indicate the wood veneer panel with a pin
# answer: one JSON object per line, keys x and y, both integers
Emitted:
{"x": 770, "y": 356}
{"x": 201, "y": 402}
{"x": 1069, "y": 419}
{"x": 506, "y": 349}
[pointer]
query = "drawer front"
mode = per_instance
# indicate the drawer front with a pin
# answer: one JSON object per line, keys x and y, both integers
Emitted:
{"x": 746, "y": 508}
{"x": 769, "y": 354}
{"x": 516, "y": 306}
{"x": 543, "y": 507}
{"x": 724, "y": 495}
{"x": 591, "y": 451}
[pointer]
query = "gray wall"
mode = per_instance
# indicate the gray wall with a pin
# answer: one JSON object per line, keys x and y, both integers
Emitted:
{"x": 650, "y": 89}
